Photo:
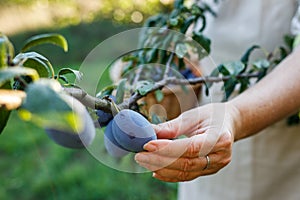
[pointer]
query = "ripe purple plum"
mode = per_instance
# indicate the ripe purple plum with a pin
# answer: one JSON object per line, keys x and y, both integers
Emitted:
{"x": 112, "y": 147}
{"x": 131, "y": 130}
{"x": 103, "y": 117}
{"x": 78, "y": 139}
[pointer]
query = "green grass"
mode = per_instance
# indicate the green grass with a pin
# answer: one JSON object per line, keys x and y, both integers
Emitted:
{"x": 34, "y": 167}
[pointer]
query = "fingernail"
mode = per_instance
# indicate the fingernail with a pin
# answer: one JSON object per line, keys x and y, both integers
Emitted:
{"x": 150, "y": 147}
{"x": 141, "y": 157}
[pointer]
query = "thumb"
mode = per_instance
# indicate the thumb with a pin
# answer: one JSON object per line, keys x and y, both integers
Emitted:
{"x": 185, "y": 124}
{"x": 167, "y": 130}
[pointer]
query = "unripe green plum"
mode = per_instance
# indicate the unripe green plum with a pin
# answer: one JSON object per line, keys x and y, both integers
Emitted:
{"x": 77, "y": 139}
{"x": 131, "y": 130}
{"x": 112, "y": 147}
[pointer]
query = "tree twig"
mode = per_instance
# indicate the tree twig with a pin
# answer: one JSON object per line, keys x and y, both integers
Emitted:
{"x": 175, "y": 81}
{"x": 168, "y": 66}
{"x": 88, "y": 100}
{"x": 102, "y": 104}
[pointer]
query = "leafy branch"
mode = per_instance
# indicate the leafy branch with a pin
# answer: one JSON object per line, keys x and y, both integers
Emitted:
{"x": 167, "y": 45}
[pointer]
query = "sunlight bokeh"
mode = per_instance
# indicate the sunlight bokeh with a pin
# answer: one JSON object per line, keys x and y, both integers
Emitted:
{"x": 21, "y": 15}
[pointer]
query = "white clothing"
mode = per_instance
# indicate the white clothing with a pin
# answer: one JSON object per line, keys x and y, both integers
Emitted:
{"x": 265, "y": 166}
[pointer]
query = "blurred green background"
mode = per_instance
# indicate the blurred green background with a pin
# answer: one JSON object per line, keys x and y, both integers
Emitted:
{"x": 34, "y": 167}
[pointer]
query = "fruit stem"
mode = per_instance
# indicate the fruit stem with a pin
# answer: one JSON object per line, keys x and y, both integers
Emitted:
{"x": 116, "y": 109}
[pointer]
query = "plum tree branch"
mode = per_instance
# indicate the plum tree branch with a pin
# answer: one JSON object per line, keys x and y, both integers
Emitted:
{"x": 88, "y": 100}
{"x": 175, "y": 81}
{"x": 105, "y": 105}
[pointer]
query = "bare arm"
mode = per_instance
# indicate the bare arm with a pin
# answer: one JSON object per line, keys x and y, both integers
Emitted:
{"x": 273, "y": 98}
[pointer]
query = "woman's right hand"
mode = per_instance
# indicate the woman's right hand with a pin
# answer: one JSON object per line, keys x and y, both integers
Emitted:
{"x": 209, "y": 130}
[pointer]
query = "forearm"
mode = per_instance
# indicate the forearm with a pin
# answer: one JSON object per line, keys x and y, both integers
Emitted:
{"x": 273, "y": 98}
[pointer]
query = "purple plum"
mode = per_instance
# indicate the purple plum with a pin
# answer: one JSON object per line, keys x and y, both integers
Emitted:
{"x": 132, "y": 130}
{"x": 77, "y": 139}
{"x": 104, "y": 117}
{"x": 112, "y": 147}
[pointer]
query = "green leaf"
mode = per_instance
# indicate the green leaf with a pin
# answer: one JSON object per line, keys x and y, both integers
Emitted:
{"x": 181, "y": 50}
{"x": 260, "y": 64}
{"x": 235, "y": 67}
{"x": 37, "y": 62}
{"x": 4, "y": 114}
{"x": 50, "y": 109}
{"x": 204, "y": 43}
{"x": 246, "y": 56}
{"x": 229, "y": 87}
{"x": 223, "y": 70}
{"x": 63, "y": 71}
{"x": 12, "y": 72}
{"x": 106, "y": 91}
{"x": 144, "y": 87}
{"x": 296, "y": 41}
{"x": 289, "y": 40}
{"x": 203, "y": 21}
{"x": 214, "y": 73}
{"x": 178, "y": 3}
{"x": 187, "y": 23}
{"x": 52, "y": 38}
{"x": 174, "y": 21}
{"x": 152, "y": 21}
{"x": 3, "y": 54}
{"x": 48, "y": 99}
{"x": 121, "y": 91}
{"x": 6, "y": 51}
{"x": 41, "y": 68}
{"x": 167, "y": 41}
{"x": 244, "y": 84}
{"x": 22, "y": 57}
{"x": 293, "y": 120}
{"x": 159, "y": 95}
{"x": 151, "y": 55}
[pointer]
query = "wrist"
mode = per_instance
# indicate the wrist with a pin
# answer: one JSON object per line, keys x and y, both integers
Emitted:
{"x": 235, "y": 119}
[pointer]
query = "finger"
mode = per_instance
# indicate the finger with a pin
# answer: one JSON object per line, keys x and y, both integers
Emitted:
{"x": 170, "y": 175}
{"x": 161, "y": 178}
{"x": 155, "y": 162}
{"x": 177, "y": 176}
{"x": 225, "y": 141}
{"x": 186, "y": 147}
{"x": 167, "y": 130}
{"x": 179, "y": 125}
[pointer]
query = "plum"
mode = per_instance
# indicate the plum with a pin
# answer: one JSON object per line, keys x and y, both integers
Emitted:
{"x": 112, "y": 147}
{"x": 131, "y": 130}
{"x": 187, "y": 73}
{"x": 104, "y": 117}
{"x": 76, "y": 139}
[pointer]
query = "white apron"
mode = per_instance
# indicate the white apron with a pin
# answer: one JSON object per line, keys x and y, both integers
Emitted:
{"x": 265, "y": 166}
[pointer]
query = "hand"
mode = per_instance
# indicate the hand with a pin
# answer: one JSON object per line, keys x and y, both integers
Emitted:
{"x": 209, "y": 131}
